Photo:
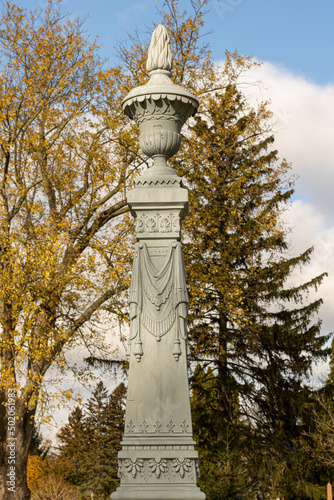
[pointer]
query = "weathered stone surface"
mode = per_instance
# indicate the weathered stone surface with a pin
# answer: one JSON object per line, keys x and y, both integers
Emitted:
{"x": 158, "y": 459}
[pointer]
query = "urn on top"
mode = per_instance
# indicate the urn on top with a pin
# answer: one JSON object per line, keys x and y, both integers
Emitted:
{"x": 160, "y": 108}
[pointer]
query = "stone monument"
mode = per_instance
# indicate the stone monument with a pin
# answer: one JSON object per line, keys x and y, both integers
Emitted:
{"x": 158, "y": 460}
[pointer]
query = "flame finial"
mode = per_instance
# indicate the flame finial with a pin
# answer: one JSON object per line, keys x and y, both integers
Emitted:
{"x": 159, "y": 51}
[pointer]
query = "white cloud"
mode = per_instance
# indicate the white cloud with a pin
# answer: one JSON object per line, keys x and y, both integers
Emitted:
{"x": 304, "y": 222}
{"x": 304, "y": 124}
{"x": 308, "y": 230}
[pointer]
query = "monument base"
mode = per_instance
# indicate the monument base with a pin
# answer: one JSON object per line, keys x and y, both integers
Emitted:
{"x": 164, "y": 492}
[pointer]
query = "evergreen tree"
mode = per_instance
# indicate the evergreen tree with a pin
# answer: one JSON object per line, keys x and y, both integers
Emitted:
{"x": 105, "y": 418}
{"x": 74, "y": 439}
{"x": 254, "y": 330}
{"x": 321, "y": 428}
{"x": 37, "y": 444}
{"x": 225, "y": 470}
{"x": 330, "y": 378}
{"x": 90, "y": 441}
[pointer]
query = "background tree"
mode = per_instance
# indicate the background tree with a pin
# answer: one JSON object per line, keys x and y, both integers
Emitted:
{"x": 324, "y": 434}
{"x": 74, "y": 438}
{"x": 253, "y": 329}
{"x": 85, "y": 461}
{"x": 105, "y": 415}
{"x": 90, "y": 441}
{"x": 44, "y": 476}
{"x": 321, "y": 431}
{"x": 64, "y": 166}
{"x": 38, "y": 446}
{"x": 330, "y": 379}
{"x": 46, "y": 482}
{"x": 225, "y": 468}
{"x": 55, "y": 488}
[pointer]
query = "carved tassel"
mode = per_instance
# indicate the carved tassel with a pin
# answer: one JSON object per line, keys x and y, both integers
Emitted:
{"x": 177, "y": 349}
{"x": 138, "y": 351}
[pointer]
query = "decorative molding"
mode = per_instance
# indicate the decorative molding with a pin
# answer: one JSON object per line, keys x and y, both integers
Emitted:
{"x": 121, "y": 473}
{"x": 147, "y": 473}
{"x": 198, "y": 474}
{"x": 158, "y": 428}
{"x": 185, "y": 427}
{"x": 158, "y": 142}
{"x": 171, "y": 426}
{"x": 158, "y": 223}
{"x": 158, "y": 251}
{"x": 182, "y": 466}
{"x": 152, "y": 469}
{"x": 142, "y": 181}
{"x": 171, "y": 109}
{"x": 133, "y": 467}
{"x": 158, "y": 467}
{"x": 144, "y": 426}
{"x": 130, "y": 427}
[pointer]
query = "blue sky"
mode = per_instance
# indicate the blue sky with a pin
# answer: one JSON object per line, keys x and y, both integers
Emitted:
{"x": 297, "y": 34}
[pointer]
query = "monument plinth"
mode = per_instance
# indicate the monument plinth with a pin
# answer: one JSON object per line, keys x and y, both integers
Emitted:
{"x": 158, "y": 459}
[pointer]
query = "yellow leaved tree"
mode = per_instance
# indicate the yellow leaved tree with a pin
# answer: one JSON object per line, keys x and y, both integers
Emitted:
{"x": 65, "y": 151}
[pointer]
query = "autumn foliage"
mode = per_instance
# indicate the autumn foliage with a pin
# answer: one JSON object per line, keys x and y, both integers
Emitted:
{"x": 65, "y": 164}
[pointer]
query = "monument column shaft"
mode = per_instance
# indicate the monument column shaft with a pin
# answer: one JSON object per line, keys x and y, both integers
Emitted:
{"x": 158, "y": 460}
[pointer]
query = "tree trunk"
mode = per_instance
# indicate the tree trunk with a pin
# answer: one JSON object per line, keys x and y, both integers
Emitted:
{"x": 14, "y": 454}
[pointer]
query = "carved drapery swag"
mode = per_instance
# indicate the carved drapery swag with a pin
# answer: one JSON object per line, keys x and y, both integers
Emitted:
{"x": 158, "y": 297}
